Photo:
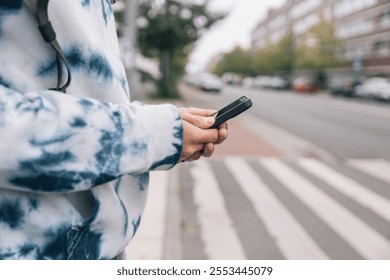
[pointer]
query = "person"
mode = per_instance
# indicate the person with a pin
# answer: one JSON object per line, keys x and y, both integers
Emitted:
{"x": 74, "y": 166}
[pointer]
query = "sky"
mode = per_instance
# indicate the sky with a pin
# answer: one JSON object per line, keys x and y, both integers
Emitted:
{"x": 234, "y": 30}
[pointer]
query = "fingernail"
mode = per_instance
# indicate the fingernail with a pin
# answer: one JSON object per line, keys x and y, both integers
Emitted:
{"x": 209, "y": 121}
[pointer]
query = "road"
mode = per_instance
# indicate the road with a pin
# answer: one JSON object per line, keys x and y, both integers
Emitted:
{"x": 294, "y": 180}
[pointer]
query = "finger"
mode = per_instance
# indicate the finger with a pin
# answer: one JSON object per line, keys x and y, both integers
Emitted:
{"x": 222, "y": 135}
{"x": 208, "y": 150}
{"x": 223, "y": 125}
{"x": 207, "y": 135}
{"x": 201, "y": 112}
{"x": 199, "y": 121}
{"x": 194, "y": 156}
{"x": 188, "y": 152}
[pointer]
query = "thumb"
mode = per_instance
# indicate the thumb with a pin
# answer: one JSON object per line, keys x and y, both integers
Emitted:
{"x": 199, "y": 121}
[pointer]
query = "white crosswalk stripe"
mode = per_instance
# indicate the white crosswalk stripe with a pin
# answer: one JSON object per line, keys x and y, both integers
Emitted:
{"x": 291, "y": 238}
{"x": 362, "y": 195}
{"x": 377, "y": 168}
{"x": 217, "y": 229}
{"x": 364, "y": 239}
{"x": 216, "y": 226}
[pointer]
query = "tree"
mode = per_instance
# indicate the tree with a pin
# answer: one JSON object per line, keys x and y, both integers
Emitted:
{"x": 276, "y": 58}
{"x": 237, "y": 61}
{"x": 167, "y": 30}
{"x": 319, "y": 50}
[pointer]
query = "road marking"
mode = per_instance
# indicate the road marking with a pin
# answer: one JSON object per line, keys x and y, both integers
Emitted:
{"x": 148, "y": 243}
{"x": 217, "y": 231}
{"x": 364, "y": 239}
{"x": 376, "y": 167}
{"x": 292, "y": 240}
{"x": 371, "y": 200}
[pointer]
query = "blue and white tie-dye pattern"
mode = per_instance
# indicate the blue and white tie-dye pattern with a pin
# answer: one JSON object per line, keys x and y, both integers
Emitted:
{"x": 57, "y": 148}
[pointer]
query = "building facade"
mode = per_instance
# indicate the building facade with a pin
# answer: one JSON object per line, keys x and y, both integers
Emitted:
{"x": 363, "y": 26}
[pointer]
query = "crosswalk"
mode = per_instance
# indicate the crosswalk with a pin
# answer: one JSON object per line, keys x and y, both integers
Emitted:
{"x": 268, "y": 208}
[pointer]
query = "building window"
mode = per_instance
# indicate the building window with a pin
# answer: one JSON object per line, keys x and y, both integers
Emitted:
{"x": 360, "y": 50}
{"x": 347, "y": 7}
{"x": 384, "y": 19}
{"x": 278, "y": 22}
{"x": 303, "y": 8}
{"x": 382, "y": 48}
{"x": 303, "y": 25}
{"x": 355, "y": 27}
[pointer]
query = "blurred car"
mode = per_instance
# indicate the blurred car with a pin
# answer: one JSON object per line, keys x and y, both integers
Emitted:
{"x": 343, "y": 86}
{"x": 373, "y": 88}
{"x": 191, "y": 80}
{"x": 278, "y": 83}
{"x": 304, "y": 84}
{"x": 384, "y": 92}
{"x": 262, "y": 81}
{"x": 210, "y": 82}
{"x": 231, "y": 78}
{"x": 248, "y": 82}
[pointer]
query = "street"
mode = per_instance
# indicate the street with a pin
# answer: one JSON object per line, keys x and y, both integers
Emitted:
{"x": 300, "y": 177}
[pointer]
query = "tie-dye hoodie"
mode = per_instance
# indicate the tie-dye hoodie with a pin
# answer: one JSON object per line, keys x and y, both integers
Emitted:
{"x": 74, "y": 167}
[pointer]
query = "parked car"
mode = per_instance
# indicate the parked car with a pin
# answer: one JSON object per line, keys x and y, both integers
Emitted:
{"x": 384, "y": 92}
{"x": 210, "y": 82}
{"x": 271, "y": 82}
{"x": 231, "y": 78}
{"x": 278, "y": 83}
{"x": 373, "y": 88}
{"x": 262, "y": 81}
{"x": 304, "y": 84}
{"x": 248, "y": 82}
{"x": 344, "y": 86}
{"x": 192, "y": 80}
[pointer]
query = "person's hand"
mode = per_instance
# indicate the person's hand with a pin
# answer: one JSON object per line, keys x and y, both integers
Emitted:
{"x": 203, "y": 119}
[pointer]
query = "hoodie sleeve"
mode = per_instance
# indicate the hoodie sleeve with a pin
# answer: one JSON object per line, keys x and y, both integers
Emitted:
{"x": 53, "y": 142}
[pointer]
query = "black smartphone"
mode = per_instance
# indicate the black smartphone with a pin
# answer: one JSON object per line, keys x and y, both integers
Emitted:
{"x": 230, "y": 111}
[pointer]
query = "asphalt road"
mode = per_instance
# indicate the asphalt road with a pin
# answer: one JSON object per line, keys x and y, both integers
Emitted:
{"x": 345, "y": 128}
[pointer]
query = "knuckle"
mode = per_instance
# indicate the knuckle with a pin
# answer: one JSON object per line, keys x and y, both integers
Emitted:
{"x": 215, "y": 137}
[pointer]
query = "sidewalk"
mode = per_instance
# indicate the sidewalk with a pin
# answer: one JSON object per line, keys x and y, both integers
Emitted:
{"x": 242, "y": 142}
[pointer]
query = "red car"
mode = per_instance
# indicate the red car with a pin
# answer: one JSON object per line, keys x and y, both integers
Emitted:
{"x": 304, "y": 85}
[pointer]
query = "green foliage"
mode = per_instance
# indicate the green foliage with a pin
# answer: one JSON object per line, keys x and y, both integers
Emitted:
{"x": 167, "y": 30}
{"x": 277, "y": 57}
{"x": 238, "y": 61}
{"x": 317, "y": 50}
{"x": 271, "y": 59}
